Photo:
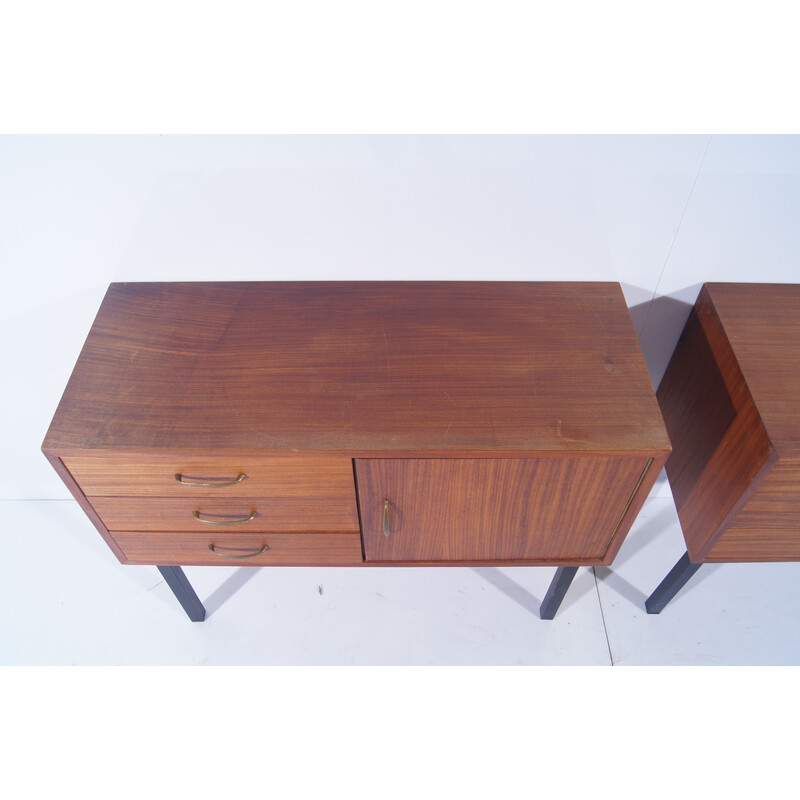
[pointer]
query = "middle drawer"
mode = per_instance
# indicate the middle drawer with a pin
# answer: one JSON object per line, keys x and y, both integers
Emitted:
{"x": 255, "y": 514}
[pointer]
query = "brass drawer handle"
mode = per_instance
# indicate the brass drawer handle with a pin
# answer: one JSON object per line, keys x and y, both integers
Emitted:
{"x": 246, "y": 555}
{"x": 196, "y": 515}
{"x": 238, "y": 479}
{"x": 386, "y": 530}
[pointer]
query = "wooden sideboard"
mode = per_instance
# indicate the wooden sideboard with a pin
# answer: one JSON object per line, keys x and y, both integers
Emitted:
{"x": 731, "y": 403}
{"x": 360, "y": 423}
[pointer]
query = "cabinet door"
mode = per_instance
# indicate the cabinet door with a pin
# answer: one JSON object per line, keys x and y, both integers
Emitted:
{"x": 513, "y": 509}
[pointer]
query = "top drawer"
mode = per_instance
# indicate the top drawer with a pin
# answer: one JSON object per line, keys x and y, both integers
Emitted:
{"x": 123, "y": 474}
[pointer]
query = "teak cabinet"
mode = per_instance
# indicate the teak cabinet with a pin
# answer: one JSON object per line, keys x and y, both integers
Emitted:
{"x": 731, "y": 403}
{"x": 361, "y": 423}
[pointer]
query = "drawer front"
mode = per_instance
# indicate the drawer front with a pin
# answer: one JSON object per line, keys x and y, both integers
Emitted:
{"x": 123, "y": 474}
{"x": 202, "y": 514}
{"x": 241, "y": 549}
{"x": 534, "y": 509}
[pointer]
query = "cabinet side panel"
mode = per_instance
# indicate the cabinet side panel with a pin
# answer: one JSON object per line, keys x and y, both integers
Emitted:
{"x": 548, "y": 510}
{"x": 719, "y": 445}
{"x": 776, "y": 502}
{"x": 83, "y": 502}
{"x": 650, "y": 473}
{"x": 755, "y": 544}
{"x": 697, "y": 408}
{"x": 768, "y": 526}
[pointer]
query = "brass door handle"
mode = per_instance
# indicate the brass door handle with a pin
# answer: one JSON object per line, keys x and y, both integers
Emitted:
{"x": 246, "y": 555}
{"x": 179, "y": 477}
{"x": 196, "y": 515}
{"x": 386, "y": 530}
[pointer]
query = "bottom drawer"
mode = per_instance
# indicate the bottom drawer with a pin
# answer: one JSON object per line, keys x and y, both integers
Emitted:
{"x": 240, "y": 549}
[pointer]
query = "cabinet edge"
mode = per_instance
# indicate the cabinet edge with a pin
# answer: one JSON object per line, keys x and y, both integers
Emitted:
{"x": 75, "y": 490}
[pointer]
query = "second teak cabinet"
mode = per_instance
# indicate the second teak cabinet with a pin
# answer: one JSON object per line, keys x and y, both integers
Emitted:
{"x": 373, "y": 423}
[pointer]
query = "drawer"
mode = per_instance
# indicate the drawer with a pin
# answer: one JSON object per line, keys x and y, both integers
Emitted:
{"x": 123, "y": 474}
{"x": 204, "y": 514}
{"x": 238, "y": 549}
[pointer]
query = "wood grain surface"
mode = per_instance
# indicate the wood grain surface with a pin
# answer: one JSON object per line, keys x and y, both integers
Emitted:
{"x": 775, "y": 503}
{"x": 762, "y": 324}
{"x": 511, "y": 422}
{"x": 279, "y": 514}
{"x": 117, "y": 474}
{"x": 76, "y": 491}
{"x": 360, "y": 367}
{"x": 767, "y": 528}
{"x": 494, "y": 509}
{"x": 286, "y": 549}
{"x": 742, "y": 543}
{"x": 731, "y": 405}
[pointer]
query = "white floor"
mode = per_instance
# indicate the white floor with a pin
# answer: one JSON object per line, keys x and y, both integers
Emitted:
{"x": 80, "y": 606}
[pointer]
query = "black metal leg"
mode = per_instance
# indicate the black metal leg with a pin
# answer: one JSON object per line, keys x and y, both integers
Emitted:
{"x": 671, "y": 585}
{"x": 182, "y": 589}
{"x": 555, "y": 594}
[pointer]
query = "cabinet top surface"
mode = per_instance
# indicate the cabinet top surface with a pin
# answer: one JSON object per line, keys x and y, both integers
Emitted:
{"x": 762, "y": 324}
{"x": 361, "y": 366}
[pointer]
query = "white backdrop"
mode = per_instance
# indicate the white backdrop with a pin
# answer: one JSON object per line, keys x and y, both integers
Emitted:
{"x": 659, "y": 214}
